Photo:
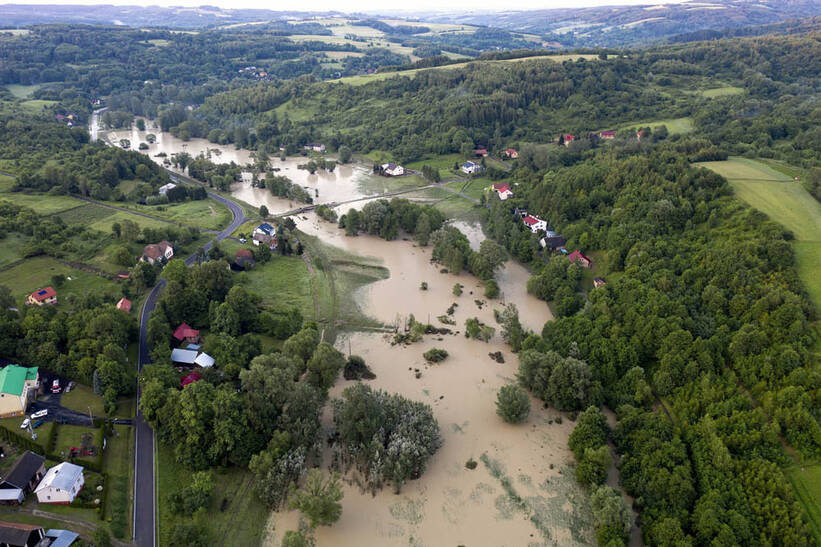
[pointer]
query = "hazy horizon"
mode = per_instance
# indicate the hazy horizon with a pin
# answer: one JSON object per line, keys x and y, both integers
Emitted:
{"x": 375, "y": 6}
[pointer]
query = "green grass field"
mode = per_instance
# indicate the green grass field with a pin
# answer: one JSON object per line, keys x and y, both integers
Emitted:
{"x": 674, "y": 125}
{"x": 22, "y": 91}
{"x": 105, "y": 224}
{"x": 282, "y": 282}
{"x": 118, "y": 464}
{"x": 785, "y": 201}
{"x": 206, "y": 213}
{"x": 42, "y": 204}
{"x": 806, "y": 485}
{"x": 722, "y": 91}
{"x": 36, "y": 105}
{"x": 36, "y": 272}
{"x": 235, "y": 516}
{"x": 11, "y": 248}
{"x": 367, "y": 78}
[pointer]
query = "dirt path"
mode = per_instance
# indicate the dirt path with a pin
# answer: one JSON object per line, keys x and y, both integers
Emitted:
{"x": 86, "y": 529}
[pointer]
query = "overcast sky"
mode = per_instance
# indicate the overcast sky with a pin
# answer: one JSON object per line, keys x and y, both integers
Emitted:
{"x": 383, "y": 6}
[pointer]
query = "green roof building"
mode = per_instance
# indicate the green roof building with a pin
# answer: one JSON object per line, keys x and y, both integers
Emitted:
{"x": 18, "y": 386}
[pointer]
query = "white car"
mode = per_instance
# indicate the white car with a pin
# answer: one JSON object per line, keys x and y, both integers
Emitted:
{"x": 55, "y": 386}
{"x": 25, "y": 423}
{"x": 39, "y": 414}
{"x": 242, "y": 240}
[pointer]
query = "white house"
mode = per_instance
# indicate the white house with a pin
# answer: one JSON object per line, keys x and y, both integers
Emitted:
{"x": 61, "y": 484}
{"x": 393, "y": 170}
{"x": 534, "y": 223}
{"x": 166, "y": 187}
{"x": 470, "y": 167}
{"x": 315, "y": 147}
{"x": 504, "y": 191}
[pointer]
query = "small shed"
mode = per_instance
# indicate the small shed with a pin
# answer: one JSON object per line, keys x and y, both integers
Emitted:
{"x": 124, "y": 304}
{"x": 61, "y": 538}
{"x": 204, "y": 360}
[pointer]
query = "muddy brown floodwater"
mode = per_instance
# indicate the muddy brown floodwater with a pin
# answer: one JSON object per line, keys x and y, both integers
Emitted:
{"x": 345, "y": 182}
{"x": 522, "y": 492}
{"x": 450, "y": 504}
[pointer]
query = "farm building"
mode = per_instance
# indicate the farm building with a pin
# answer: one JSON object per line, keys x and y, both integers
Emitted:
{"x": 244, "y": 258}
{"x": 22, "y": 478}
{"x": 607, "y": 135}
{"x": 481, "y": 152}
{"x": 578, "y": 258}
{"x": 315, "y": 147}
{"x": 42, "y": 297}
{"x": 124, "y": 304}
{"x": 16, "y": 534}
{"x": 393, "y": 169}
{"x": 18, "y": 387}
{"x": 157, "y": 252}
{"x": 163, "y": 190}
{"x": 61, "y": 484}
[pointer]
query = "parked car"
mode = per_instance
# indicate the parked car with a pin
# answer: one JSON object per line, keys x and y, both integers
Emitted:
{"x": 25, "y": 423}
{"x": 39, "y": 414}
{"x": 55, "y": 386}
{"x": 242, "y": 240}
{"x": 37, "y": 424}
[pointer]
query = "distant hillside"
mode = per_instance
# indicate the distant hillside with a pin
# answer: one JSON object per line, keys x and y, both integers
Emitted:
{"x": 628, "y": 25}
{"x": 13, "y": 15}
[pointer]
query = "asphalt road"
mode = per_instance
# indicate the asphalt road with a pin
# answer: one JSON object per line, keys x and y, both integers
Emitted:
{"x": 145, "y": 524}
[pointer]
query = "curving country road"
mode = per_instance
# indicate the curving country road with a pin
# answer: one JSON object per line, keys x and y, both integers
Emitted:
{"x": 145, "y": 525}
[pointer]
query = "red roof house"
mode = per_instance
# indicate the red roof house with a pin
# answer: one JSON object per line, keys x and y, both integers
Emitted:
{"x": 503, "y": 189}
{"x": 191, "y": 378}
{"x": 244, "y": 258}
{"x": 124, "y": 304}
{"x": 578, "y": 258}
{"x": 568, "y": 139}
{"x": 40, "y": 297}
{"x": 185, "y": 333}
{"x": 607, "y": 134}
{"x": 481, "y": 152}
{"x": 511, "y": 153}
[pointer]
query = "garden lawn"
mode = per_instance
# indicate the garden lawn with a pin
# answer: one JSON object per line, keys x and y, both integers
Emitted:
{"x": 105, "y": 224}
{"x": 36, "y": 272}
{"x": 80, "y": 398}
{"x": 119, "y": 467}
{"x": 806, "y": 483}
{"x": 43, "y": 432}
{"x": 235, "y": 516}
{"x": 72, "y": 435}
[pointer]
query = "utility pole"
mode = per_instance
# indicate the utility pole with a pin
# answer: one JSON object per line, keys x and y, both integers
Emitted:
{"x": 90, "y": 417}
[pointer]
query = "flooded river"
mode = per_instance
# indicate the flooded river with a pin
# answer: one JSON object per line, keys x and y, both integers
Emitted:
{"x": 345, "y": 182}
{"x": 449, "y": 504}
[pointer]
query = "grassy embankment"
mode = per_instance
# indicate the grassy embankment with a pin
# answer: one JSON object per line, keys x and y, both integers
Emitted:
{"x": 235, "y": 516}
{"x": 770, "y": 188}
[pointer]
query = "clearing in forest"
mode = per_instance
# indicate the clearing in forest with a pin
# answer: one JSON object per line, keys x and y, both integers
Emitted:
{"x": 785, "y": 201}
